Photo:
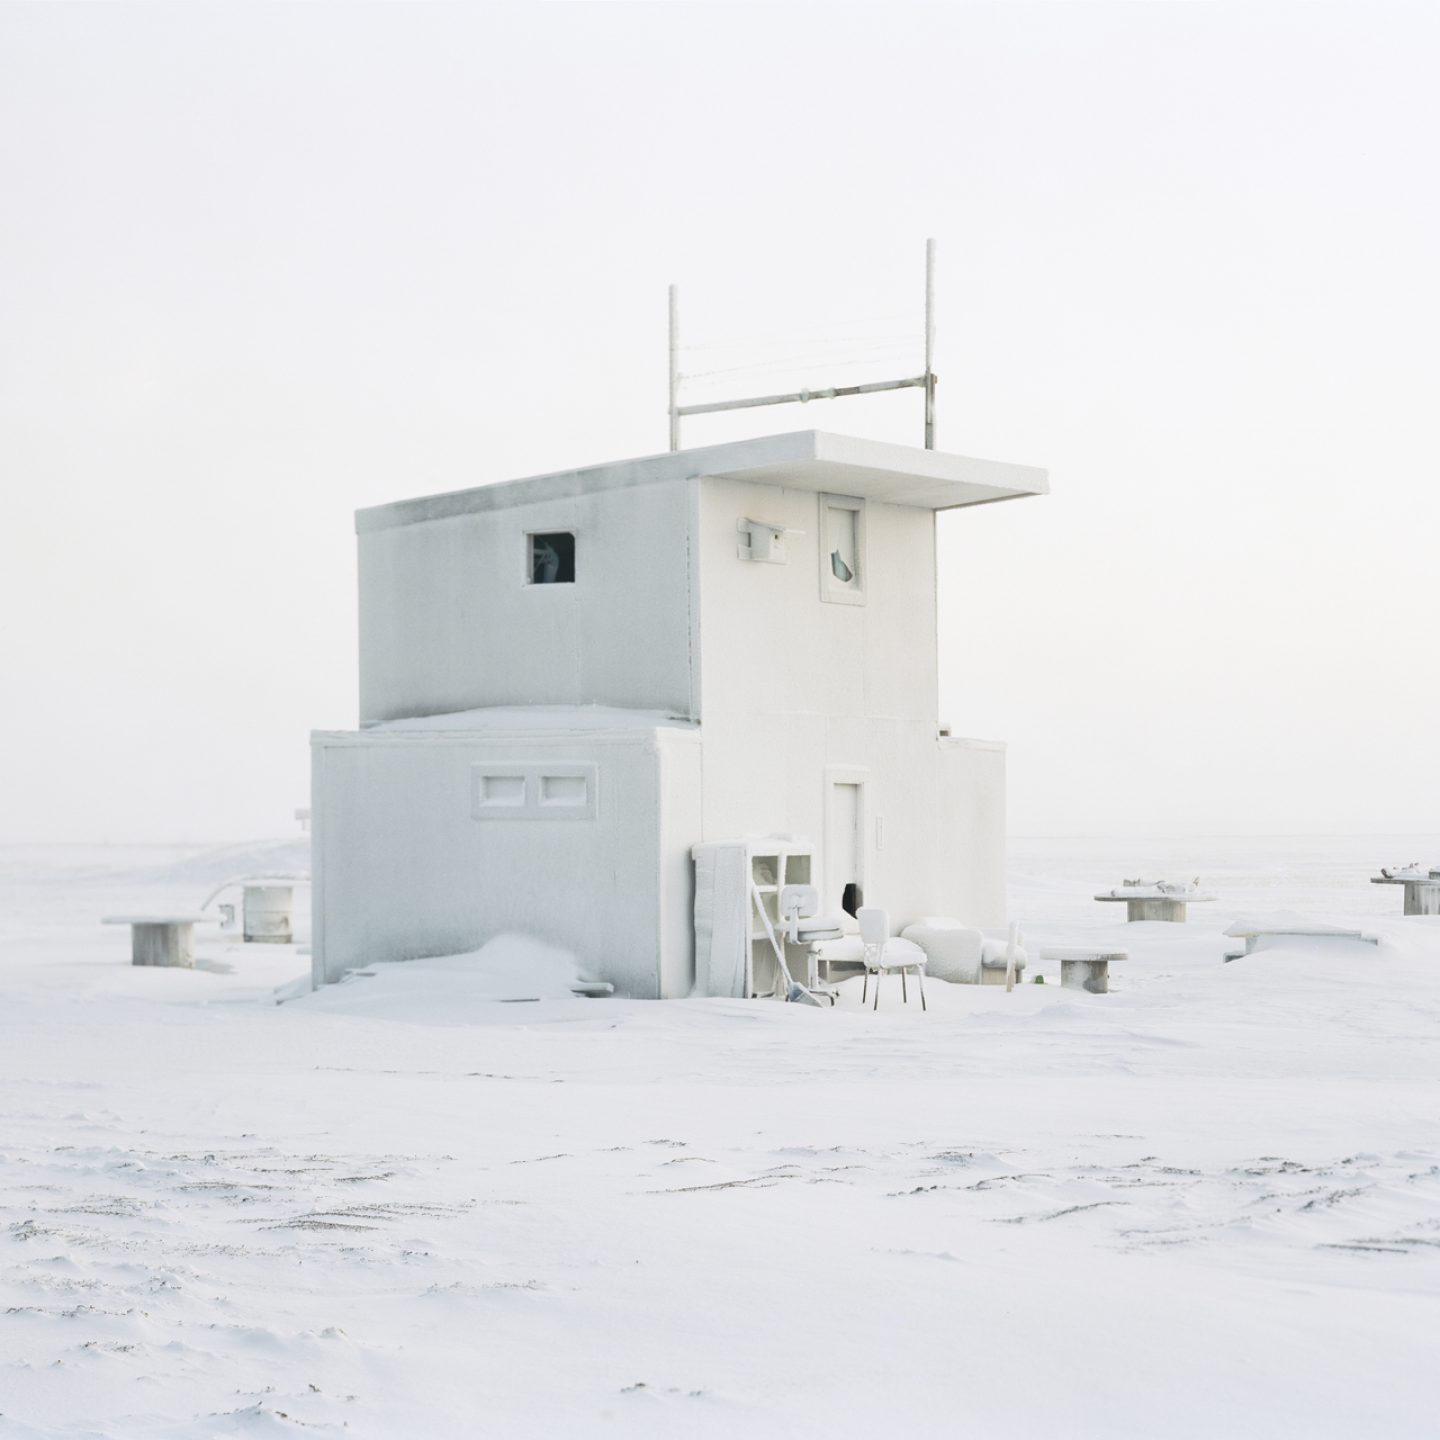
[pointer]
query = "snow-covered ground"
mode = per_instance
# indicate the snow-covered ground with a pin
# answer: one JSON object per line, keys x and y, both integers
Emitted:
{"x": 1207, "y": 1204}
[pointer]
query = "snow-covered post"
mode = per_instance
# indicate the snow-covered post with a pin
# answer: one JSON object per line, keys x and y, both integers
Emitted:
{"x": 1010, "y": 948}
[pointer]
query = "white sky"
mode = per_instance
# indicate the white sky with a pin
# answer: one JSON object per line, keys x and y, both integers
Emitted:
{"x": 260, "y": 265}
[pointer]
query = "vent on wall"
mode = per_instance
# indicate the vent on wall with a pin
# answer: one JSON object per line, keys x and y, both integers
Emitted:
{"x": 534, "y": 790}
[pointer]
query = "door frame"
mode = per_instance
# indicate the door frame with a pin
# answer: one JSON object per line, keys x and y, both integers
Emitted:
{"x": 858, "y": 776}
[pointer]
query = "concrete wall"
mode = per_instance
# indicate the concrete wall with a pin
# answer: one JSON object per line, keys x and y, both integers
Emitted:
{"x": 799, "y": 694}
{"x": 771, "y": 646}
{"x": 933, "y": 828}
{"x": 448, "y": 620}
{"x": 404, "y": 868}
{"x": 802, "y": 694}
{"x": 971, "y": 784}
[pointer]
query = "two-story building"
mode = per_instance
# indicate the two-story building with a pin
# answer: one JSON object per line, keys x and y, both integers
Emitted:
{"x": 567, "y": 682}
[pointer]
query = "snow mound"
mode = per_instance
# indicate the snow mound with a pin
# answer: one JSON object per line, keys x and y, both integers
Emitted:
{"x": 450, "y": 989}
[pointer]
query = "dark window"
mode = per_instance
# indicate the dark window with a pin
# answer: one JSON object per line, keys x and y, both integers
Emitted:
{"x": 552, "y": 559}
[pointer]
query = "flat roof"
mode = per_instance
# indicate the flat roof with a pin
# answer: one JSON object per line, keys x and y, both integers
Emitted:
{"x": 533, "y": 724}
{"x": 801, "y": 460}
{"x": 532, "y": 719}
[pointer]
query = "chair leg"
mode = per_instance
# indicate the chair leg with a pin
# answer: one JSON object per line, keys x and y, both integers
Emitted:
{"x": 865, "y": 987}
{"x": 878, "y": 974}
{"x": 920, "y": 981}
{"x": 904, "y": 990}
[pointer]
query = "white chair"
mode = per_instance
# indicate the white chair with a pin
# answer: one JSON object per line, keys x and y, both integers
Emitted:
{"x": 883, "y": 953}
{"x": 802, "y": 926}
{"x": 798, "y": 904}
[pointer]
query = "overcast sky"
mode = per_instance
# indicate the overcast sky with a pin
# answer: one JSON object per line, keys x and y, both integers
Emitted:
{"x": 260, "y": 265}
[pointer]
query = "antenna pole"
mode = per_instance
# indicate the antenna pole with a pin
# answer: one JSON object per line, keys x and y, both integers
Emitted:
{"x": 927, "y": 381}
{"x": 929, "y": 343}
{"x": 674, "y": 367}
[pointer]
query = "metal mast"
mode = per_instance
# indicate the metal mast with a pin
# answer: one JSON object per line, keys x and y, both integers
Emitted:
{"x": 927, "y": 381}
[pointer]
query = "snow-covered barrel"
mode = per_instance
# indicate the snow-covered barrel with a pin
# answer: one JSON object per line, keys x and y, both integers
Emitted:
{"x": 266, "y": 911}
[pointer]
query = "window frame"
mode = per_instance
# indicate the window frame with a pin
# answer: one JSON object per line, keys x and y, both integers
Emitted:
{"x": 533, "y": 803}
{"x": 833, "y": 590}
{"x": 530, "y": 538}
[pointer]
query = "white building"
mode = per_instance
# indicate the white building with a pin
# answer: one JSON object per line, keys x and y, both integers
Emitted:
{"x": 566, "y": 682}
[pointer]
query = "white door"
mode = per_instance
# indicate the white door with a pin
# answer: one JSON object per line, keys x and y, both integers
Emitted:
{"x": 844, "y": 844}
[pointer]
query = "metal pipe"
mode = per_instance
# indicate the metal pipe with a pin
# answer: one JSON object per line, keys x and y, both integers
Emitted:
{"x": 802, "y": 397}
{"x": 675, "y": 411}
{"x": 930, "y": 344}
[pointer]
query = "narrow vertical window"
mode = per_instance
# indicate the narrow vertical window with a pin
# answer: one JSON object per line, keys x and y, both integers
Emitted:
{"x": 842, "y": 549}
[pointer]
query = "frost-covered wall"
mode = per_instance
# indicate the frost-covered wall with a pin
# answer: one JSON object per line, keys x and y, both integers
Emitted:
{"x": 810, "y": 688}
{"x": 450, "y": 621}
{"x": 432, "y": 843}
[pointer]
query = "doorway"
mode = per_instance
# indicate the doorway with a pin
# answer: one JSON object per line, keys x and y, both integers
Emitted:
{"x": 844, "y": 858}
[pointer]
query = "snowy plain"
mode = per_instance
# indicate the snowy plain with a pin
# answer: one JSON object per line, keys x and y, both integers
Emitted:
{"x": 1206, "y": 1204}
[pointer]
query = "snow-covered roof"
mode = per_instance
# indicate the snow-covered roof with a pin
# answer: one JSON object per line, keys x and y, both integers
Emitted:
{"x": 533, "y": 719}
{"x": 802, "y": 460}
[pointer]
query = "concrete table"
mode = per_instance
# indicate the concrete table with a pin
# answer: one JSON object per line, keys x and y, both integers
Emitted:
{"x": 161, "y": 939}
{"x": 1422, "y": 891}
{"x": 1258, "y": 934}
{"x": 1085, "y": 969}
{"x": 1148, "y": 903}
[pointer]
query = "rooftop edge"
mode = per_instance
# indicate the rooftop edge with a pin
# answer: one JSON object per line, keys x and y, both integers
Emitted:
{"x": 802, "y": 460}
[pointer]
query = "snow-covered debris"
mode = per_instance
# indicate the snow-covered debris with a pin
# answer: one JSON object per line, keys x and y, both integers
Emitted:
{"x": 448, "y": 989}
{"x": 1413, "y": 871}
{"x": 1158, "y": 890}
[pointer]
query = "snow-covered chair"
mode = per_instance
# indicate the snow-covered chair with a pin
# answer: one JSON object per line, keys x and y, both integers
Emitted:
{"x": 882, "y": 954}
{"x": 798, "y": 917}
{"x": 802, "y": 925}
{"x": 960, "y": 954}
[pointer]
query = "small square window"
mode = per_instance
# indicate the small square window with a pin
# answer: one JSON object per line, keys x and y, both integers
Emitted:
{"x": 551, "y": 558}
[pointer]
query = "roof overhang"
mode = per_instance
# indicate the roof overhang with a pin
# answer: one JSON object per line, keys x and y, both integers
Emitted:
{"x": 803, "y": 460}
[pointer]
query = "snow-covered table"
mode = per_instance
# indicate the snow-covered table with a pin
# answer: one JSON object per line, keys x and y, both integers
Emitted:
{"x": 1260, "y": 934}
{"x": 1084, "y": 969}
{"x": 1422, "y": 890}
{"x": 161, "y": 939}
{"x": 1154, "y": 902}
